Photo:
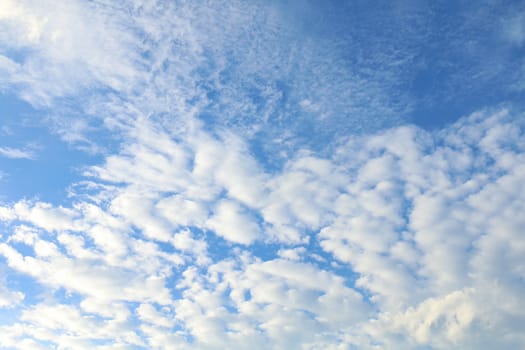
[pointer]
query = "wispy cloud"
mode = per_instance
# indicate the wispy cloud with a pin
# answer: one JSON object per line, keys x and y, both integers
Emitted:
{"x": 15, "y": 153}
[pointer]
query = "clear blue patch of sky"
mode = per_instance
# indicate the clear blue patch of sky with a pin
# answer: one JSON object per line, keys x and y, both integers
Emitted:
{"x": 9, "y": 316}
{"x": 32, "y": 289}
{"x": 56, "y": 164}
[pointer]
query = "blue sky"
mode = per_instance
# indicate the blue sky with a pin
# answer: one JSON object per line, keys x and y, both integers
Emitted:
{"x": 262, "y": 174}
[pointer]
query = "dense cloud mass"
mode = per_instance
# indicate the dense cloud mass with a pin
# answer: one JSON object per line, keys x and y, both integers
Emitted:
{"x": 258, "y": 189}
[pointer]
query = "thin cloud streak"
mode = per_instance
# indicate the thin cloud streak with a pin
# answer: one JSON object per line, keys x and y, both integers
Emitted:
{"x": 16, "y": 153}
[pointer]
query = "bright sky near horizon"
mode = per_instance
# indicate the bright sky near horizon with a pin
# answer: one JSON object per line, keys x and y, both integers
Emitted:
{"x": 262, "y": 174}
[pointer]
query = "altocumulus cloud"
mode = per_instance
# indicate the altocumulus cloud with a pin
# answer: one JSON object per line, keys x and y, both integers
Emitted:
{"x": 216, "y": 224}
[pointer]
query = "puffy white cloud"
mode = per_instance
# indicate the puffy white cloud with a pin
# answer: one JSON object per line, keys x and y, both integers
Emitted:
{"x": 68, "y": 327}
{"x": 181, "y": 211}
{"x": 233, "y": 223}
{"x": 149, "y": 314}
{"x": 292, "y": 254}
{"x": 45, "y": 216}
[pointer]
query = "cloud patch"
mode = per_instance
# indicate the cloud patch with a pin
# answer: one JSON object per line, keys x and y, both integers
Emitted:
{"x": 16, "y": 153}
{"x": 425, "y": 230}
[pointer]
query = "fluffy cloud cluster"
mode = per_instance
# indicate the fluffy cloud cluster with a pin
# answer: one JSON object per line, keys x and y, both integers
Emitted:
{"x": 402, "y": 239}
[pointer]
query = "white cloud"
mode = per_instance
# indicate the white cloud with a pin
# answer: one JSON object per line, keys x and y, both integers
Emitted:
{"x": 149, "y": 314}
{"x": 69, "y": 327}
{"x": 182, "y": 212}
{"x": 292, "y": 254}
{"x": 58, "y": 63}
{"x": 233, "y": 223}
{"x": 15, "y": 153}
{"x": 44, "y": 215}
